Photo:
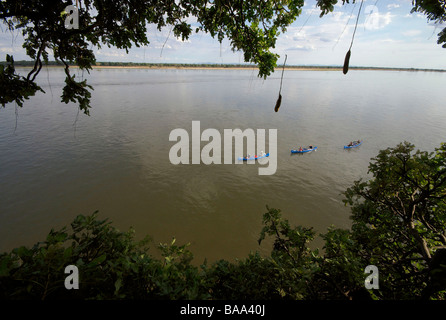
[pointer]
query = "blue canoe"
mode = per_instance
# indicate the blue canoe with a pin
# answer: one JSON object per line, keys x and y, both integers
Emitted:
{"x": 304, "y": 150}
{"x": 254, "y": 157}
{"x": 355, "y": 144}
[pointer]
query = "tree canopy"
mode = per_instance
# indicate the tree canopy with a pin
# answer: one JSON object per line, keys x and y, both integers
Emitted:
{"x": 251, "y": 26}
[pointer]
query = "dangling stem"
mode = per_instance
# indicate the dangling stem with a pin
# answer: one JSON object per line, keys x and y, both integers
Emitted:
{"x": 283, "y": 69}
{"x": 356, "y": 25}
{"x": 347, "y": 56}
{"x": 279, "y": 100}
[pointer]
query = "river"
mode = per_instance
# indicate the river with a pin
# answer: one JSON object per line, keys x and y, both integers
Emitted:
{"x": 56, "y": 163}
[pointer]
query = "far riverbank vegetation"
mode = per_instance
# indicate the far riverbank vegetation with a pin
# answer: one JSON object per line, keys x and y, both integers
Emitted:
{"x": 25, "y": 63}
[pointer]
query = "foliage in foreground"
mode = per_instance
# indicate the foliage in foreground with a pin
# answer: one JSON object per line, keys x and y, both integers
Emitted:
{"x": 399, "y": 223}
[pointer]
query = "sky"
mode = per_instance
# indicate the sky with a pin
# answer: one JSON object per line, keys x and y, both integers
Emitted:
{"x": 387, "y": 35}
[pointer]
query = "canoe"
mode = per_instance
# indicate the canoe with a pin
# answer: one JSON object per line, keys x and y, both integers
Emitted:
{"x": 355, "y": 144}
{"x": 304, "y": 150}
{"x": 254, "y": 157}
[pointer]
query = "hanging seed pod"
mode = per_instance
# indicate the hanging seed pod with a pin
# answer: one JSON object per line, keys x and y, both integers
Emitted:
{"x": 346, "y": 62}
{"x": 278, "y": 102}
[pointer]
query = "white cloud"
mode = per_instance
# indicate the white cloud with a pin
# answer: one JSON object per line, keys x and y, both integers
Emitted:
{"x": 178, "y": 39}
{"x": 111, "y": 53}
{"x": 7, "y": 50}
{"x": 377, "y": 20}
{"x": 411, "y": 33}
{"x": 308, "y": 47}
{"x": 393, "y": 6}
{"x": 416, "y": 15}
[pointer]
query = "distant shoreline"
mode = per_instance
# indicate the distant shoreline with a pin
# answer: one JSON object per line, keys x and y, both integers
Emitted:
{"x": 117, "y": 65}
{"x": 291, "y": 68}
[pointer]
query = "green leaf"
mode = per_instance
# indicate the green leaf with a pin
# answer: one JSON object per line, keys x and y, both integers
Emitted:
{"x": 98, "y": 260}
{"x": 118, "y": 284}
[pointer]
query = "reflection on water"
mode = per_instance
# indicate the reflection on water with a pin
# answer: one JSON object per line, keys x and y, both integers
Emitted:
{"x": 57, "y": 163}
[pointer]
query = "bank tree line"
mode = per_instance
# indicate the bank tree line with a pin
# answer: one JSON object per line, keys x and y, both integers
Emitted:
{"x": 398, "y": 225}
{"x": 28, "y": 63}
